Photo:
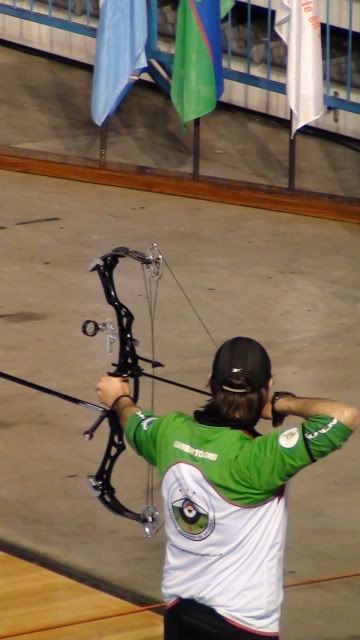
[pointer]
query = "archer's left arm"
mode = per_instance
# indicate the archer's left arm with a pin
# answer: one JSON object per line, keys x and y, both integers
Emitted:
{"x": 114, "y": 392}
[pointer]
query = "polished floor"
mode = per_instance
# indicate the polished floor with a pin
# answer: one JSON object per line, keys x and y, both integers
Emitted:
{"x": 44, "y": 605}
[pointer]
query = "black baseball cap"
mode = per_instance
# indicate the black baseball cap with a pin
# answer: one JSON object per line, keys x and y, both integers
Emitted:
{"x": 242, "y": 355}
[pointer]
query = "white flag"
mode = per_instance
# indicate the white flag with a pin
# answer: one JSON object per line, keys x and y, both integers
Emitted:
{"x": 298, "y": 23}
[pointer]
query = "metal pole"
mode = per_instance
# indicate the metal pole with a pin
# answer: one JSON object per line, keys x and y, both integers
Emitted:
{"x": 103, "y": 142}
{"x": 196, "y": 149}
{"x": 292, "y": 157}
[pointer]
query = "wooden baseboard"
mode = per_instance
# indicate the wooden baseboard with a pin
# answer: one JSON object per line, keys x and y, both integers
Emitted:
{"x": 179, "y": 184}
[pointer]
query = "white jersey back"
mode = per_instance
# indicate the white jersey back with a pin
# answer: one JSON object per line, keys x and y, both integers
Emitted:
{"x": 232, "y": 562}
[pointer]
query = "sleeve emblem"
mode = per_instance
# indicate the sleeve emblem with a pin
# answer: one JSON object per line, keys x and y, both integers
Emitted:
{"x": 289, "y": 438}
{"x": 145, "y": 422}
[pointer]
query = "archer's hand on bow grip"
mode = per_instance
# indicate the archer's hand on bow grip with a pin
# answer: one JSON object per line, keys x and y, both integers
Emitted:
{"x": 111, "y": 387}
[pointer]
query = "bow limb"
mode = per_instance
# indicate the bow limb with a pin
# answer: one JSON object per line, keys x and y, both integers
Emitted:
{"x": 101, "y": 481}
{"x": 128, "y": 361}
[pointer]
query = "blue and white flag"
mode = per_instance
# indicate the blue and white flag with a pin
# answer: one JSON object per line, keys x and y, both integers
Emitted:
{"x": 120, "y": 53}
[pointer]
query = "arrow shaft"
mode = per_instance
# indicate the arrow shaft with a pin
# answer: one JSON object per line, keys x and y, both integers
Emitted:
{"x": 51, "y": 392}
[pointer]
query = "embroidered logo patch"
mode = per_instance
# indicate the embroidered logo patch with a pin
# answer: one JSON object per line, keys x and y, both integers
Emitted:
{"x": 289, "y": 438}
{"x": 192, "y": 520}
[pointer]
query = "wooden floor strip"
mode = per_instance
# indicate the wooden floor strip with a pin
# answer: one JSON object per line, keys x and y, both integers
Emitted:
{"x": 39, "y": 604}
{"x": 142, "y": 626}
{"x": 174, "y": 183}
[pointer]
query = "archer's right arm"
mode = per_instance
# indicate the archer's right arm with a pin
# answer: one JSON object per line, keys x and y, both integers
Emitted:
{"x": 308, "y": 407}
{"x": 274, "y": 458}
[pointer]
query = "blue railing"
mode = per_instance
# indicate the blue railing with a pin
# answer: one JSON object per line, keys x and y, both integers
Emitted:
{"x": 253, "y": 54}
{"x": 70, "y": 15}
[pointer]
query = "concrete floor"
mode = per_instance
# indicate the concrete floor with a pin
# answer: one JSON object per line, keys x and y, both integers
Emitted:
{"x": 288, "y": 281}
{"x": 45, "y": 106}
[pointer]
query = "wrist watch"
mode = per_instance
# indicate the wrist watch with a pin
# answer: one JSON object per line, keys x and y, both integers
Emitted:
{"x": 277, "y": 417}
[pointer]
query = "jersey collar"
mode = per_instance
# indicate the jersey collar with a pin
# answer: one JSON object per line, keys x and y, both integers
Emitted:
{"x": 210, "y": 420}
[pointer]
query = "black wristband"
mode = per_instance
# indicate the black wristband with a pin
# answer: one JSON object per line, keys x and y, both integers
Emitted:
{"x": 119, "y": 398}
{"x": 277, "y": 417}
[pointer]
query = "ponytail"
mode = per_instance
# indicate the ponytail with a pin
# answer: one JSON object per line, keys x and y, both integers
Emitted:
{"x": 236, "y": 400}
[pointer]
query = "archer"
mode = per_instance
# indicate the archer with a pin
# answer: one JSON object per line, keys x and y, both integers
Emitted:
{"x": 224, "y": 490}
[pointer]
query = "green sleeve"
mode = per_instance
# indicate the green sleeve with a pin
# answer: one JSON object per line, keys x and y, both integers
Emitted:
{"x": 271, "y": 460}
{"x": 141, "y": 432}
{"x": 324, "y": 434}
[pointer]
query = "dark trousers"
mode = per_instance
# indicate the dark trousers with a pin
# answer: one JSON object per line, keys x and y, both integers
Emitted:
{"x": 190, "y": 620}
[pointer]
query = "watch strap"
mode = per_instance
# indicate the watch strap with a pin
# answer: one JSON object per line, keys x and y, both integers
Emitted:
{"x": 277, "y": 418}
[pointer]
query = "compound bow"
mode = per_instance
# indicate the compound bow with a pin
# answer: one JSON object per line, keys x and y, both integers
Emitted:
{"x": 127, "y": 366}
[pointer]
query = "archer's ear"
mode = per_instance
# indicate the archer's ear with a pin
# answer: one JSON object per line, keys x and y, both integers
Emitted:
{"x": 270, "y": 383}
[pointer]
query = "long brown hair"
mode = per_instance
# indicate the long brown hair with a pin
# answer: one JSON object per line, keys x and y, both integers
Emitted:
{"x": 242, "y": 406}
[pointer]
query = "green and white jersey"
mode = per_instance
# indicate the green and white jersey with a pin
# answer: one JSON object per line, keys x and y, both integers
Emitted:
{"x": 225, "y": 508}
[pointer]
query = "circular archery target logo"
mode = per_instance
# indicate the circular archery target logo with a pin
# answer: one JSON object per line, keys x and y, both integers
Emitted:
{"x": 192, "y": 515}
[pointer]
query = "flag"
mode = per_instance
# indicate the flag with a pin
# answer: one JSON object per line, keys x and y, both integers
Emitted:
{"x": 297, "y": 22}
{"x": 197, "y": 81}
{"x": 225, "y": 7}
{"x": 120, "y": 53}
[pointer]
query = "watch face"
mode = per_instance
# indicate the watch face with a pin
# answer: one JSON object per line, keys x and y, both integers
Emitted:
{"x": 281, "y": 394}
{"x": 274, "y": 399}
